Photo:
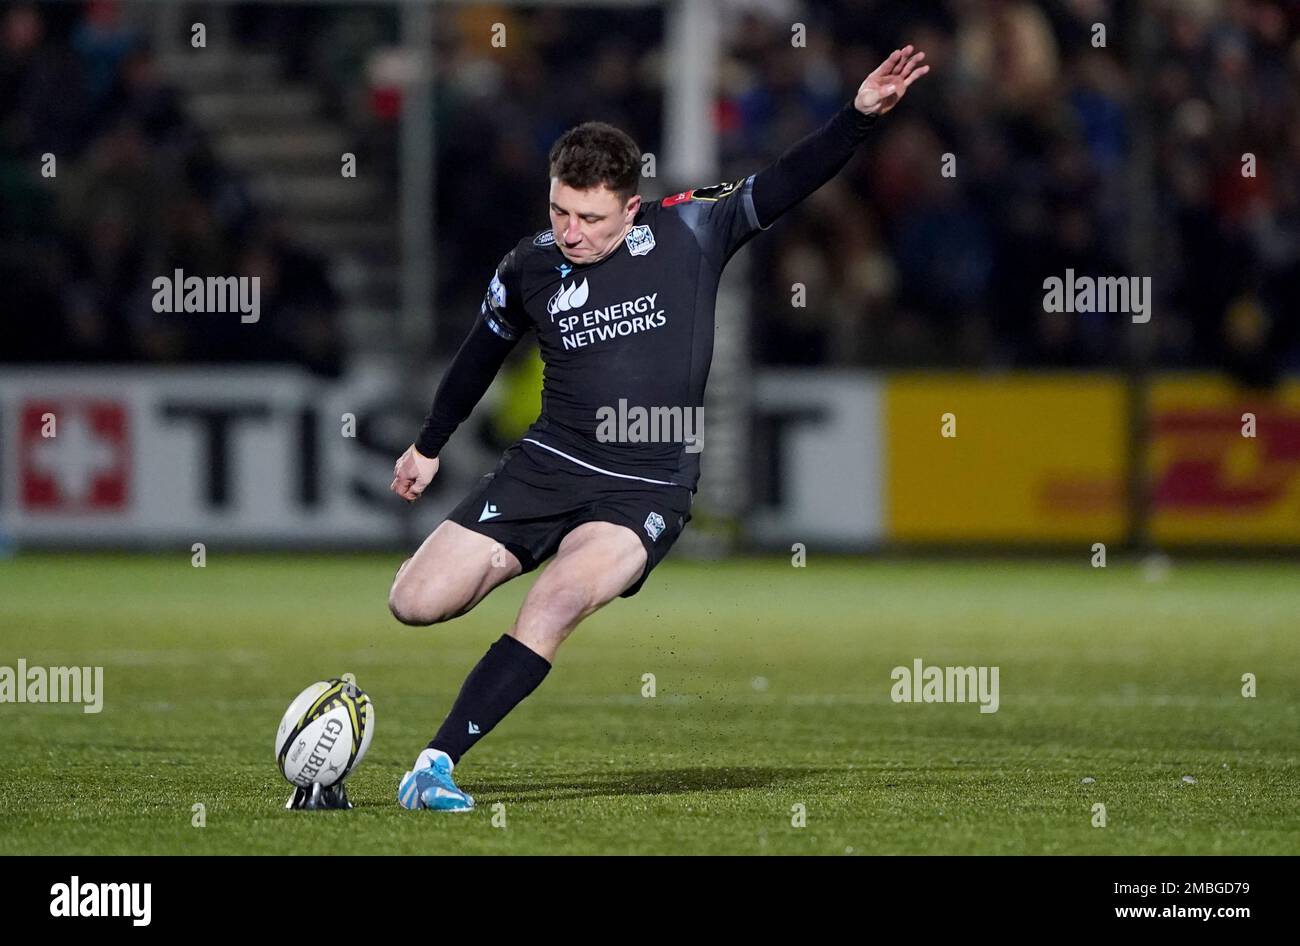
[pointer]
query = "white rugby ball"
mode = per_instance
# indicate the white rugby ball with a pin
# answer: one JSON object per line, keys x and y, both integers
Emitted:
{"x": 325, "y": 733}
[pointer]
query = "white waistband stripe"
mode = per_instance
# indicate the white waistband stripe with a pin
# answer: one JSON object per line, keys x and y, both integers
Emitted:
{"x": 622, "y": 476}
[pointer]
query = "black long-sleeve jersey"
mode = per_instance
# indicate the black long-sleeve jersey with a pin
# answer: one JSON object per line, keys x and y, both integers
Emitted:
{"x": 631, "y": 335}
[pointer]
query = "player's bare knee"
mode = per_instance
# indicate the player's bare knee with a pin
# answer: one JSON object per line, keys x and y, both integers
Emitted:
{"x": 414, "y": 604}
{"x": 405, "y": 609}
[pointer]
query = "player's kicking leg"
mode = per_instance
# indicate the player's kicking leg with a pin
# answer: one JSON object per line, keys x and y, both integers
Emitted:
{"x": 595, "y": 562}
{"x": 452, "y": 571}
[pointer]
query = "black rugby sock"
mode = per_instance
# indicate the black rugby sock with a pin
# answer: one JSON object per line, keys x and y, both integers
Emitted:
{"x": 508, "y": 672}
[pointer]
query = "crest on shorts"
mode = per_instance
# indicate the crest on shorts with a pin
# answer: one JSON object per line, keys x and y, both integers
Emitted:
{"x": 654, "y": 526}
{"x": 640, "y": 240}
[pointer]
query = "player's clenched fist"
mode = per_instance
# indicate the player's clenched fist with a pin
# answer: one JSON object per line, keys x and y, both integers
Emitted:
{"x": 412, "y": 473}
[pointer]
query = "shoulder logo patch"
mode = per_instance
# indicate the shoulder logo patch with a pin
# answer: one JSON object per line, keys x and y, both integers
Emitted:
{"x": 640, "y": 240}
{"x": 545, "y": 238}
{"x": 497, "y": 291}
{"x": 717, "y": 191}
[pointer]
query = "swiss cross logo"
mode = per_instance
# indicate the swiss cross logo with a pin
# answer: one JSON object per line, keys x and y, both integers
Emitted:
{"x": 84, "y": 467}
{"x": 676, "y": 198}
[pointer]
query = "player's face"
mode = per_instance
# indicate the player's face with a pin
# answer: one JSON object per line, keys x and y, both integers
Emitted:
{"x": 588, "y": 224}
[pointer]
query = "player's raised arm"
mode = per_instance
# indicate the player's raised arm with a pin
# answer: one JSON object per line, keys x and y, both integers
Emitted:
{"x": 818, "y": 157}
{"x": 494, "y": 334}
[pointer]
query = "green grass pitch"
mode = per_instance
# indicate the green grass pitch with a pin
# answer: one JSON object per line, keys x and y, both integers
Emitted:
{"x": 772, "y": 688}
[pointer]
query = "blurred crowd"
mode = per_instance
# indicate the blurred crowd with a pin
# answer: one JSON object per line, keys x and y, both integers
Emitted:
{"x": 1112, "y": 154}
{"x": 105, "y": 184}
{"x": 1154, "y": 138}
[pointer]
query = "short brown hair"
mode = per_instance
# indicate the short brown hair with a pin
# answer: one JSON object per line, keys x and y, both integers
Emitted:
{"x": 594, "y": 153}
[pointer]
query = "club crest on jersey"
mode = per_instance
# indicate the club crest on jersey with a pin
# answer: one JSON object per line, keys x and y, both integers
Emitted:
{"x": 544, "y": 239}
{"x": 567, "y": 297}
{"x": 654, "y": 526}
{"x": 640, "y": 240}
{"x": 497, "y": 292}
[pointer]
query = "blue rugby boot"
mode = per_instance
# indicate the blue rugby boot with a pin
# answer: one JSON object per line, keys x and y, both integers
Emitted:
{"x": 429, "y": 785}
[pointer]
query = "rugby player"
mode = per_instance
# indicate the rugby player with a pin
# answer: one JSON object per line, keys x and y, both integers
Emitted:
{"x": 621, "y": 294}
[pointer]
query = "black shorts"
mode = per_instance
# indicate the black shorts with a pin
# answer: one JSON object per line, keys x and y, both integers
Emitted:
{"x": 534, "y": 498}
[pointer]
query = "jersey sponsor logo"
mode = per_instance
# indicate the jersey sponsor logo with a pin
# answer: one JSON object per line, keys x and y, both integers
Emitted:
{"x": 654, "y": 526}
{"x": 489, "y": 512}
{"x": 568, "y": 297}
{"x": 679, "y": 197}
{"x": 564, "y": 270}
{"x": 640, "y": 240}
{"x": 545, "y": 238}
{"x": 610, "y": 322}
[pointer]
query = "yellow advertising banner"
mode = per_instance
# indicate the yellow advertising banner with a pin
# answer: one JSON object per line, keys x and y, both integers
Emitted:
{"x": 1224, "y": 462}
{"x": 1017, "y": 458}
